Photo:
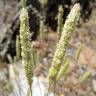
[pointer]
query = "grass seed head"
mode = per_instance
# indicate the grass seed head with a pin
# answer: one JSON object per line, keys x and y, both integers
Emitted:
{"x": 68, "y": 28}
{"x": 25, "y": 45}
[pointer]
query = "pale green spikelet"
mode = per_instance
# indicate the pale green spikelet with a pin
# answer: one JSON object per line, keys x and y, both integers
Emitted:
{"x": 63, "y": 42}
{"x": 42, "y": 30}
{"x": 85, "y": 75}
{"x": 60, "y": 20}
{"x": 25, "y": 45}
{"x": 63, "y": 70}
{"x": 42, "y": 20}
{"x": 78, "y": 51}
{"x": 18, "y": 47}
{"x": 33, "y": 55}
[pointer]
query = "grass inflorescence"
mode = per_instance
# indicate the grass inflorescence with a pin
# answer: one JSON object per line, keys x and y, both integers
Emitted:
{"x": 57, "y": 69}
{"x": 25, "y": 44}
{"x": 68, "y": 28}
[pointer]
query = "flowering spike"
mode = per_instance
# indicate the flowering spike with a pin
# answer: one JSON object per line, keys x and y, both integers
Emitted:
{"x": 25, "y": 45}
{"x": 63, "y": 42}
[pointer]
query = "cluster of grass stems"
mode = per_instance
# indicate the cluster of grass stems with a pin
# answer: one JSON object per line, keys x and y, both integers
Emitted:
{"x": 25, "y": 48}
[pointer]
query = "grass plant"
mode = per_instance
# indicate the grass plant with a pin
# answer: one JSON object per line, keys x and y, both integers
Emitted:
{"x": 57, "y": 70}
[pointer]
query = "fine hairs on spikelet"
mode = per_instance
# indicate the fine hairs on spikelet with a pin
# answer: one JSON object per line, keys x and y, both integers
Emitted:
{"x": 25, "y": 45}
{"x": 68, "y": 28}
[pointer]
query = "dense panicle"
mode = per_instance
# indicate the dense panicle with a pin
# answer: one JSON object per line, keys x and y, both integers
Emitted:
{"x": 63, "y": 42}
{"x": 25, "y": 45}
